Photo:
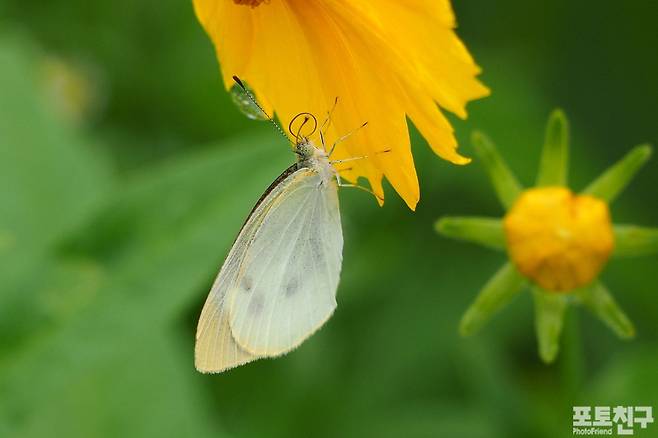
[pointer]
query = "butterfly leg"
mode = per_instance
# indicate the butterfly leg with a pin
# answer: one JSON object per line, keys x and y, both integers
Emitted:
{"x": 327, "y": 121}
{"x": 344, "y": 137}
{"x": 347, "y": 160}
{"x": 356, "y": 186}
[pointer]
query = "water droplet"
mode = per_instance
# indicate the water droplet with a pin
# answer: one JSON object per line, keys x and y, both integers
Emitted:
{"x": 244, "y": 103}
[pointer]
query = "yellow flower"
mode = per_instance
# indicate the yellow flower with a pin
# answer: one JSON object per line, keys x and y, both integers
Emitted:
{"x": 558, "y": 240}
{"x": 383, "y": 59}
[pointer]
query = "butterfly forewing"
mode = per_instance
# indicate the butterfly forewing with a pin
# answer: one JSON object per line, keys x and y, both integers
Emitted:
{"x": 215, "y": 349}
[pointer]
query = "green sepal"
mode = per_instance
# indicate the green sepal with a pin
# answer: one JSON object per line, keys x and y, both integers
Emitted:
{"x": 554, "y": 163}
{"x": 481, "y": 230}
{"x": 549, "y": 319}
{"x": 507, "y": 187}
{"x": 613, "y": 181}
{"x": 598, "y": 299}
{"x": 496, "y": 293}
{"x": 633, "y": 241}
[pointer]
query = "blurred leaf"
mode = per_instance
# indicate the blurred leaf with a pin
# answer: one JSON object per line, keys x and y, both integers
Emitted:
{"x": 44, "y": 297}
{"x": 615, "y": 179}
{"x": 633, "y": 241}
{"x": 599, "y": 300}
{"x": 505, "y": 183}
{"x": 169, "y": 229}
{"x": 554, "y": 165}
{"x": 86, "y": 319}
{"x": 427, "y": 421}
{"x": 498, "y": 292}
{"x": 143, "y": 387}
{"x": 51, "y": 177}
{"x": 549, "y": 319}
{"x": 628, "y": 379}
{"x": 484, "y": 231}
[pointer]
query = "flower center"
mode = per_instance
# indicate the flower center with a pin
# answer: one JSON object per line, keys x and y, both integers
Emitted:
{"x": 559, "y": 240}
{"x": 252, "y": 3}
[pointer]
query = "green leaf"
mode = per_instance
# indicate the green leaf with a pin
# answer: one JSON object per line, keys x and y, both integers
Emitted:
{"x": 626, "y": 378}
{"x": 598, "y": 299}
{"x": 505, "y": 183}
{"x": 497, "y": 293}
{"x": 484, "y": 231}
{"x": 51, "y": 180}
{"x": 422, "y": 419}
{"x": 156, "y": 245}
{"x": 549, "y": 319}
{"x": 554, "y": 164}
{"x": 613, "y": 181}
{"x": 633, "y": 241}
{"x": 50, "y": 177}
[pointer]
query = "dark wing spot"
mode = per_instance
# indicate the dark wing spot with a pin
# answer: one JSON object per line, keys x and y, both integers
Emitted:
{"x": 292, "y": 286}
{"x": 256, "y": 305}
{"x": 247, "y": 284}
{"x": 317, "y": 252}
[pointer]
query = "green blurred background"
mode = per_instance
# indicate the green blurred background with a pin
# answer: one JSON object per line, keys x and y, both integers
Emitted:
{"x": 125, "y": 173}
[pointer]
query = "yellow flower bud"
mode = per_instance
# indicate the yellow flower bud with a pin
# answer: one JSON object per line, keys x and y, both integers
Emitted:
{"x": 559, "y": 240}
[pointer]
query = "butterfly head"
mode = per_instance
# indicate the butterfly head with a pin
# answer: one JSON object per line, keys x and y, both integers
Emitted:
{"x": 307, "y": 151}
{"x": 302, "y": 127}
{"x": 304, "y": 149}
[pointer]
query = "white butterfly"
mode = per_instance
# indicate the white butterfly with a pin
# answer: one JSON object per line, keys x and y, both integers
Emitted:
{"x": 278, "y": 283}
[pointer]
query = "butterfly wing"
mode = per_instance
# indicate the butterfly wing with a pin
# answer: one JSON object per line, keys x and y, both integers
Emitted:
{"x": 279, "y": 281}
{"x": 215, "y": 349}
{"x": 291, "y": 270}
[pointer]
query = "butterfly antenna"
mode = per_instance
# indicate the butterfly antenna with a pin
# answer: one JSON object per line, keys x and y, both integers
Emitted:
{"x": 255, "y": 102}
{"x": 307, "y": 117}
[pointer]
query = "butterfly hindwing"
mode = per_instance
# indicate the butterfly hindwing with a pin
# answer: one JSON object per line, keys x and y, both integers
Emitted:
{"x": 292, "y": 267}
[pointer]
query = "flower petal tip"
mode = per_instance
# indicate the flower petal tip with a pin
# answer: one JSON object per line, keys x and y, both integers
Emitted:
{"x": 628, "y": 335}
{"x": 645, "y": 150}
{"x": 461, "y": 160}
{"x": 441, "y": 225}
{"x": 549, "y": 354}
{"x": 465, "y": 330}
{"x": 558, "y": 113}
{"x": 615, "y": 179}
{"x": 471, "y": 323}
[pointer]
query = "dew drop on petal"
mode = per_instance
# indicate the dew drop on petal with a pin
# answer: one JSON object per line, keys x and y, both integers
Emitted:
{"x": 244, "y": 103}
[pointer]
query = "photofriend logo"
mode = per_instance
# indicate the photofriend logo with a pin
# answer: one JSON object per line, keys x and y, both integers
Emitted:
{"x": 606, "y": 420}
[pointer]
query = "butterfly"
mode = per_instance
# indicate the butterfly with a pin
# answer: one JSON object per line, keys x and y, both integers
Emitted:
{"x": 278, "y": 284}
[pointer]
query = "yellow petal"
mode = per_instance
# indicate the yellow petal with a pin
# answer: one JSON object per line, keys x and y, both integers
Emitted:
{"x": 384, "y": 59}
